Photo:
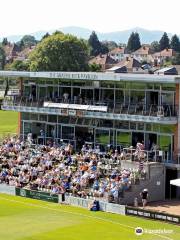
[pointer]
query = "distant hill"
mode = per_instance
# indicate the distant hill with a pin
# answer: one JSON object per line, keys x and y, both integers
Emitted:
{"x": 146, "y": 36}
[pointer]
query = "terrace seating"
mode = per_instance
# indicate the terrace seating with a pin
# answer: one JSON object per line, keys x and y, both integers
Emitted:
{"x": 57, "y": 170}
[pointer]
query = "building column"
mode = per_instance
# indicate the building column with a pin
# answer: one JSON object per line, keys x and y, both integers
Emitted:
{"x": 178, "y": 188}
{"x": 177, "y": 126}
{"x": 19, "y": 124}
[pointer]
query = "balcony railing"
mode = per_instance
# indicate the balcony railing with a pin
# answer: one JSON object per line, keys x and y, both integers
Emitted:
{"x": 140, "y": 112}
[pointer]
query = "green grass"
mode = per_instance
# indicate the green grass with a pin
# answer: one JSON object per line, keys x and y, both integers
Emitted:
{"x": 8, "y": 122}
{"x": 28, "y": 219}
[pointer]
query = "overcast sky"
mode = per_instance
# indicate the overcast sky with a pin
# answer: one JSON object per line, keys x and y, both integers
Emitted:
{"x": 26, "y": 16}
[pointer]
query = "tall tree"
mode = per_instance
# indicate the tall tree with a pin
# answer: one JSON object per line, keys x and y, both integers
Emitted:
{"x": 29, "y": 41}
{"x": 45, "y": 36}
{"x": 109, "y": 44}
{"x": 60, "y": 52}
{"x": 164, "y": 42}
{"x": 2, "y": 58}
{"x": 175, "y": 43}
{"x": 155, "y": 46}
{"x": 5, "y": 42}
{"x": 95, "y": 45}
{"x": 133, "y": 42}
{"x": 104, "y": 48}
{"x": 176, "y": 59}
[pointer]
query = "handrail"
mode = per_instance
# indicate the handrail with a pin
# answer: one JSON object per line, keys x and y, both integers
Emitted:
{"x": 165, "y": 110}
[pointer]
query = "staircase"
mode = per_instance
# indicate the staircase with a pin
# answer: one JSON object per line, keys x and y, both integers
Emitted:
{"x": 155, "y": 183}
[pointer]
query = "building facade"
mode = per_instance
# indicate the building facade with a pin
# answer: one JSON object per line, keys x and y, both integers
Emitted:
{"x": 116, "y": 109}
{"x": 105, "y": 109}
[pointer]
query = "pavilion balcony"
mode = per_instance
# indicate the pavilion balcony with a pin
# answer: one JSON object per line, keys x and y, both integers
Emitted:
{"x": 164, "y": 114}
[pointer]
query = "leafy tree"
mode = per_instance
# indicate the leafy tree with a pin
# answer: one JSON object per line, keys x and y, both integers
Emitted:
{"x": 155, "y": 46}
{"x": 95, "y": 45}
{"x": 5, "y": 42}
{"x": 175, "y": 43}
{"x": 176, "y": 59}
{"x": 133, "y": 42}
{"x": 57, "y": 32}
{"x": 2, "y": 58}
{"x": 110, "y": 44}
{"x": 18, "y": 65}
{"x": 60, "y": 52}
{"x": 164, "y": 42}
{"x": 45, "y": 36}
{"x": 104, "y": 48}
{"x": 94, "y": 67}
{"x": 28, "y": 41}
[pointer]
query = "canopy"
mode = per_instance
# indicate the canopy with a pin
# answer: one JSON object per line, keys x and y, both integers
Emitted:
{"x": 175, "y": 182}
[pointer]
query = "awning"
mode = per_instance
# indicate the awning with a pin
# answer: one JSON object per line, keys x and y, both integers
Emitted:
{"x": 175, "y": 182}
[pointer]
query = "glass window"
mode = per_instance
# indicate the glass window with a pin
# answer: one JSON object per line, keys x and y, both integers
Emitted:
{"x": 52, "y": 118}
{"x": 167, "y": 98}
{"x": 25, "y": 116}
{"x": 34, "y": 116}
{"x": 42, "y": 92}
{"x": 123, "y": 125}
{"x": 119, "y": 96}
{"x": 138, "y": 86}
{"x": 137, "y": 97}
{"x": 27, "y": 127}
{"x": 120, "y": 85}
{"x": 167, "y": 128}
{"x": 43, "y": 117}
{"x": 140, "y": 126}
{"x": 107, "y": 84}
{"x": 67, "y": 132}
{"x": 102, "y": 136}
{"x": 165, "y": 143}
{"x": 123, "y": 138}
{"x": 132, "y": 125}
{"x": 168, "y": 87}
{"x": 156, "y": 128}
{"x": 78, "y": 83}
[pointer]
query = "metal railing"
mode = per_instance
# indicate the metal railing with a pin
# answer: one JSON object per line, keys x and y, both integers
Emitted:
{"x": 161, "y": 111}
{"x": 145, "y": 155}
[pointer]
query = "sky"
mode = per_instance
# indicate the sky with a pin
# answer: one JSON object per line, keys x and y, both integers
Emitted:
{"x": 27, "y": 16}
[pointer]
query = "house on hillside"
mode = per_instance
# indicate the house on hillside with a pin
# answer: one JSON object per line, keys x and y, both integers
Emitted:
{"x": 11, "y": 51}
{"x": 162, "y": 56}
{"x": 143, "y": 54}
{"x": 118, "y": 53}
{"x": 104, "y": 60}
{"x": 23, "y": 55}
{"x": 132, "y": 65}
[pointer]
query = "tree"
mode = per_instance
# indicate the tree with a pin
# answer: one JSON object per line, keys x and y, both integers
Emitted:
{"x": 45, "y": 36}
{"x": 95, "y": 45}
{"x": 2, "y": 58}
{"x": 5, "y": 42}
{"x": 175, "y": 43}
{"x": 155, "y": 46}
{"x": 18, "y": 65}
{"x": 104, "y": 48}
{"x": 133, "y": 42}
{"x": 164, "y": 42}
{"x": 94, "y": 67}
{"x": 28, "y": 41}
{"x": 60, "y": 52}
{"x": 110, "y": 44}
{"x": 176, "y": 59}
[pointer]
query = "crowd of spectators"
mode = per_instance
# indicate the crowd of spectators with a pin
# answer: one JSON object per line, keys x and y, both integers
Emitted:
{"x": 58, "y": 169}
